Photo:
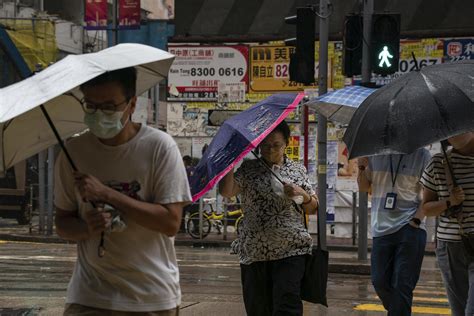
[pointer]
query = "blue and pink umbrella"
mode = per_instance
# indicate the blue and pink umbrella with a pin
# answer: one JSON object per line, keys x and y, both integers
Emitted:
{"x": 237, "y": 137}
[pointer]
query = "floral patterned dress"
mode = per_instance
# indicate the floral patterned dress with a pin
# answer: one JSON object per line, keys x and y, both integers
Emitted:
{"x": 272, "y": 227}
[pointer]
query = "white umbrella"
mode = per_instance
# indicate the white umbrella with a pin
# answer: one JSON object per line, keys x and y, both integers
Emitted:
{"x": 24, "y": 130}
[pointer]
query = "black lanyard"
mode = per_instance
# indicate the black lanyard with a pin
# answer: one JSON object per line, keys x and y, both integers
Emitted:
{"x": 394, "y": 179}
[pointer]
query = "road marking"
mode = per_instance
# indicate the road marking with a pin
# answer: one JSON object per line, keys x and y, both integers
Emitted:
{"x": 415, "y": 309}
{"x": 425, "y": 299}
{"x": 429, "y": 292}
{"x": 430, "y": 299}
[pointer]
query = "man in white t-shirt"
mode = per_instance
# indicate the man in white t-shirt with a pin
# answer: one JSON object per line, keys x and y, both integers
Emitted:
{"x": 122, "y": 208}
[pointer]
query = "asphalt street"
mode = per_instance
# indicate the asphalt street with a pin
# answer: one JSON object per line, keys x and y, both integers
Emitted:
{"x": 34, "y": 277}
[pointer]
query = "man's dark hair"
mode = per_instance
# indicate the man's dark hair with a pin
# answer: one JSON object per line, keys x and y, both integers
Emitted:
{"x": 284, "y": 129}
{"x": 188, "y": 160}
{"x": 126, "y": 77}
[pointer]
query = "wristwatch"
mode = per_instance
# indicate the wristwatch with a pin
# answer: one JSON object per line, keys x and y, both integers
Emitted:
{"x": 416, "y": 221}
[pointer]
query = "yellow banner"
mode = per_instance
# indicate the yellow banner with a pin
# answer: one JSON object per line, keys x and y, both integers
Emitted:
{"x": 429, "y": 47}
{"x": 270, "y": 69}
{"x": 292, "y": 151}
{"x": 34, "y": 39}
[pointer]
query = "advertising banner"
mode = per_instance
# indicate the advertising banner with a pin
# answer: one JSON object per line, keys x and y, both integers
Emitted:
{"x": 292, "y": 151}
{"x": 197, "y": 71}
{"x": 159, "y": 10}
{"x": 95, "y": 16}
{"x": 458, "y": 49}
{"x": 129, "y": 14}
{"x": 270, "y": 69}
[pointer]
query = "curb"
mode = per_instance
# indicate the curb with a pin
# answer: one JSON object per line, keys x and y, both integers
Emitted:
{"x": 178, "y": 242}
{"x": 353, "y": 267}
{"x": 36, "y": 239}
{"x": 224, "y": 243}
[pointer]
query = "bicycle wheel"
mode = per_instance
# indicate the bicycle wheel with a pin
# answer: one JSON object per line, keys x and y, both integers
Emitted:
{"x": 238, "y": 224}
{"x": 193, "y": 226}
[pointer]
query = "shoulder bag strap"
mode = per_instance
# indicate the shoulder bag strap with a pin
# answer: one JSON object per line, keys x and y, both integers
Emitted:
{"x": 297, "y": 207}
{"x": 451, "y": 181}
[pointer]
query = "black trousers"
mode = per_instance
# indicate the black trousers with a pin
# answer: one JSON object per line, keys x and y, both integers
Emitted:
{"x": 273, "y": 287}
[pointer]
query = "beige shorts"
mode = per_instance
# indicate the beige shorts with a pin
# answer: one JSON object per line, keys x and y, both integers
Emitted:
{"x": 81, "y": 310}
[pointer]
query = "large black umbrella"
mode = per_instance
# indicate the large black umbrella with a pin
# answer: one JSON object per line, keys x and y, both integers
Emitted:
{"x": 415, "y": 110}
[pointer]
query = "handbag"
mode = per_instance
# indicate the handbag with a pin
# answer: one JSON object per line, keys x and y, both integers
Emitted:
{"x": 315, "y": 278}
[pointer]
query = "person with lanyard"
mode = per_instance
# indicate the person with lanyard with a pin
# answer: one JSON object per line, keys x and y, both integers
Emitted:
{"x": 449, "y": 194}
{"x": 399, "y": 237}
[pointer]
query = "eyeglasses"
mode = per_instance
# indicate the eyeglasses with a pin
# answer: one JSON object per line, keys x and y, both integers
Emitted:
{"x": 275, "y": 146}
{"x": 106, "y": 108}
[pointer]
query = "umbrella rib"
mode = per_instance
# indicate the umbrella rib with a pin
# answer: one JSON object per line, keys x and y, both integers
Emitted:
{"x": 335, "y": 112}
{"x": 153, "y": 71}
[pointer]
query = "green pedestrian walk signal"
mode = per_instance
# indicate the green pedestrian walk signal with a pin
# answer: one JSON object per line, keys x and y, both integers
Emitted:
{"x": 384, "y": 57}
{"x": 385, "y": 50}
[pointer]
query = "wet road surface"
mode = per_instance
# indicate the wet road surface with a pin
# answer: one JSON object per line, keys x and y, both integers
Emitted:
{"x": 35, "y": 276}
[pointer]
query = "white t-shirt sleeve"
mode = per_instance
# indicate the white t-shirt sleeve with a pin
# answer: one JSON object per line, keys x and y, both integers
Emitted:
{"x": 64, "y": 190}
{"x": 170, "y": 178}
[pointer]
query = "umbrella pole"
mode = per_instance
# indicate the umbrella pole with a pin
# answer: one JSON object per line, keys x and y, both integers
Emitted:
{"x": 101, "y": 249}
{"x": 267, "y": 167}
{"x": 58, "y": 138}
{"x": 450, "y": 167}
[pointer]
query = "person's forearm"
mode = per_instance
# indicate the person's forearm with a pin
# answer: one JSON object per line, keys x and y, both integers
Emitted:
{"x": 155, "y": 217}
{"x": 226, "y": 185}
{"x": 434, "y": 208}
{"x": 311, "y": 206}
{"x": 71, "y": 228}
{"x": 363, "y": 182}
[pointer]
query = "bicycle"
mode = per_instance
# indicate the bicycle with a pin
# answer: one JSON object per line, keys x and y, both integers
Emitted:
{"x": 212, "y": 219}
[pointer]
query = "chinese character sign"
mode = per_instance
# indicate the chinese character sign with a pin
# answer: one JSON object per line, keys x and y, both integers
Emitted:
{"x": 270, "y": 69}
{"x": 458, "y": 49}
{"x": 96, "y": 14}
{"x": 197, "y": 71}
{"x": 129, "y": 14}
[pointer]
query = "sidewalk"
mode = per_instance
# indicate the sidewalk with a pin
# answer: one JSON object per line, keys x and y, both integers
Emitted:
{"x": 342, "y": 254}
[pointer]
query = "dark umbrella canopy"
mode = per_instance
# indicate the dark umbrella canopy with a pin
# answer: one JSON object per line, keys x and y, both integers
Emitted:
{"x": 418, "y": 109}
{"x": 237, "y": 137}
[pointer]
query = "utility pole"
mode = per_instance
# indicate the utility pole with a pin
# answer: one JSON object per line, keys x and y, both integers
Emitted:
{"x": 366, "y": 74}
{"x": 322, "y": 122}
{"x": 115, "y": 23}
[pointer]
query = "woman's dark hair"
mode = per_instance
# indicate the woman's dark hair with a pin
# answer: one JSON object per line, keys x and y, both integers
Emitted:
{"x": 126, "y": 77}
{"x": 284, "y": 129}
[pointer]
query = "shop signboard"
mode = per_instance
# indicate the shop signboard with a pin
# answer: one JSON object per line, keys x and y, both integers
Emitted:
{"x": 458, "y": 49}
{"x": 270, "y": 69}
{"x": 197, "y": 71}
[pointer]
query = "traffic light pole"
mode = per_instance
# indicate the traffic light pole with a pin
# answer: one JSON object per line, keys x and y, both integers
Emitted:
{"x": 322, "y": 122}
{"x": 366, "y": 74}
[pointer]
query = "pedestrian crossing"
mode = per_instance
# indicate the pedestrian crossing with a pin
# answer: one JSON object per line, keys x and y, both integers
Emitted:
{"x": 427, "y": 300}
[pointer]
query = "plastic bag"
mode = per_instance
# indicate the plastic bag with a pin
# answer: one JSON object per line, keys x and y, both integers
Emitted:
{"x": 278, "y": 188}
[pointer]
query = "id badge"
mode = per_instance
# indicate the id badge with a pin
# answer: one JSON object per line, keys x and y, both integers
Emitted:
{"x": 390, "y": 201}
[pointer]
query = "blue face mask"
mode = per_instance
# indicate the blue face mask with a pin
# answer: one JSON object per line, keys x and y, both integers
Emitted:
{"x": 104, "y": 126}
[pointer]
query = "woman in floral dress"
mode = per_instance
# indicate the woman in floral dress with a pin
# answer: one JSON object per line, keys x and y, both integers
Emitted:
{"x": 273, "y": 240}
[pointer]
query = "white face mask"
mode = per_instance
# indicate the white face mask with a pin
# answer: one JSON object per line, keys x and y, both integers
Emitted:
{"x": 104, "y": 126}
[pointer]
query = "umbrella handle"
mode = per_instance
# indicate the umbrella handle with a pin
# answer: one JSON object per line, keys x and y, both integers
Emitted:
{"x": 450, "y": 168}
{"x": 101, "y": 248}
